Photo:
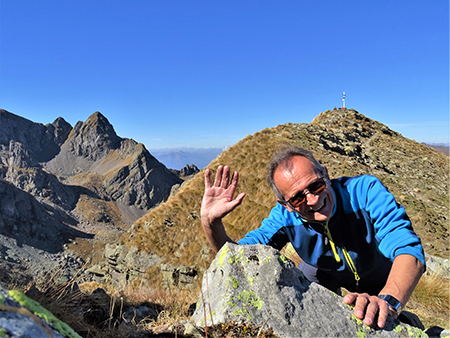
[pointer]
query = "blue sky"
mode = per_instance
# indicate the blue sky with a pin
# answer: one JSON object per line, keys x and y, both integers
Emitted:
{"x": 208, "y": 73}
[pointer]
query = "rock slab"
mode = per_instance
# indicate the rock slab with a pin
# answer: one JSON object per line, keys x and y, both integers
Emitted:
{"x": 255, "y": 284}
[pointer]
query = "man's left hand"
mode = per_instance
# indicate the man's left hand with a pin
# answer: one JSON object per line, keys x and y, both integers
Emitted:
{"x": 369, "y": 308}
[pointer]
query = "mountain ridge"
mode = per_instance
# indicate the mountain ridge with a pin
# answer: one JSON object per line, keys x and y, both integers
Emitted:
{"x": 346, "y": 142}
{"x": 62, "y": 184}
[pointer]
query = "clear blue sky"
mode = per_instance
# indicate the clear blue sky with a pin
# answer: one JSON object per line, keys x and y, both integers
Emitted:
{"x": 208, "y": 73}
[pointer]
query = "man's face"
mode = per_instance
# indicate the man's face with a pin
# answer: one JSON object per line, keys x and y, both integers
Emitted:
{"x": 317, "y": 207}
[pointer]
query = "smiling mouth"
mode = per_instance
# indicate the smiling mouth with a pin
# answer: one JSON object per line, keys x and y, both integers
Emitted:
{"x": 318, "y": 208}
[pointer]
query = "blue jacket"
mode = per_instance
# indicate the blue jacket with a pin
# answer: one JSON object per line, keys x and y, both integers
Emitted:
{"x": 366, "y": 220}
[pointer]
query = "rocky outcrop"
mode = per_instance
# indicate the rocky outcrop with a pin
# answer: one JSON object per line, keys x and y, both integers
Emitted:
{"x": 122, "y": 266}
{"x": 182, "y": 277}
{"x": 29, "y": 221}
{"x": 438, "y": 266}
{"x": 256, "y": 285}
{"x": 187, "y": 171}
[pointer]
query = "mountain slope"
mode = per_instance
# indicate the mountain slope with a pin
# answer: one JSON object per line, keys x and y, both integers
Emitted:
{"x": 61, "y": 185}
{"x": 347, "y": 143}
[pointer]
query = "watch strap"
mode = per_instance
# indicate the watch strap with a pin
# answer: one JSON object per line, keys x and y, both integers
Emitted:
{"x": 391, "y": 301}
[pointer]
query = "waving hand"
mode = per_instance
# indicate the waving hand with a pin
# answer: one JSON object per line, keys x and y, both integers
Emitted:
{"x": 217, "y": 203}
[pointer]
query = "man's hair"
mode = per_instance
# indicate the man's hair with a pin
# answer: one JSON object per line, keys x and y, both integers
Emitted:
{"x": 282, "y": 157}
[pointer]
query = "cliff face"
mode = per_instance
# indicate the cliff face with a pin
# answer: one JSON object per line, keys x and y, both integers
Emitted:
{"x": 42, "y": 142}
{"x": 60, "y": 183}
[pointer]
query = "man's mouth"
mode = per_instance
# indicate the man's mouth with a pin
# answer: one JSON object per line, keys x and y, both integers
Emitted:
{"x": 317, "y": 208}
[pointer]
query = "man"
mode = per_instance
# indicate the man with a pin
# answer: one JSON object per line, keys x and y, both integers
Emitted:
{"x": 349, "y": 232}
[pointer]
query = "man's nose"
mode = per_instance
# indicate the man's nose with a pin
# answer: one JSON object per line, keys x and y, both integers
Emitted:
{"x": 311, "y": 199}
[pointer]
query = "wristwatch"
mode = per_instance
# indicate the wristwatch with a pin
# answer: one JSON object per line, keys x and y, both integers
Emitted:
{"x": 391, "y": 301}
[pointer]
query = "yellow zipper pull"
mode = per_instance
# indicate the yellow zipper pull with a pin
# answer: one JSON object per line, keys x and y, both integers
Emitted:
{"x": 351, "y": 264}
{"x": 333, "y": 247}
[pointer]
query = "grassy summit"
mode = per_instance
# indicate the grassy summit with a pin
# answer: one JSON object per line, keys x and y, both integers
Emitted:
{"x": 347, "y": 143}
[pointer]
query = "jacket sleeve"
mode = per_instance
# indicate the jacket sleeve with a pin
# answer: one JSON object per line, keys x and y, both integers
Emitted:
{"x": 271, "y": 232}
{"x": 393, "y": 228}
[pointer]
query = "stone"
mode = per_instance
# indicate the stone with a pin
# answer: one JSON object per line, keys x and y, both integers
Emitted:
{"x": 257, "y": 285}
{"x": 139, "y": 314}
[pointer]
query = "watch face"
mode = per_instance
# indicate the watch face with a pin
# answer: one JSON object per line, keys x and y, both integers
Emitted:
{"x": 392, "y": 301}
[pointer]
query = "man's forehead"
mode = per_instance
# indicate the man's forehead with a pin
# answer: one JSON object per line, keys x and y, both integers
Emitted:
{"x": 298, "y": 164}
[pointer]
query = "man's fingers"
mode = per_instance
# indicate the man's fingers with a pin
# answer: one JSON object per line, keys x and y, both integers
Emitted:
{"x": 237, "y": 201}
{"x": 235, "y": 179}
{"x": 371, "y": 313}
{"x": 225, "y": 177}
{"x": 360, "y": 306}
{"x": 218, "y": 177}
{"x": 207, "y": 179}
{"x": 383, "y": 313}
{"x": 369, "y": 308}
{"x": 350, "y": 298}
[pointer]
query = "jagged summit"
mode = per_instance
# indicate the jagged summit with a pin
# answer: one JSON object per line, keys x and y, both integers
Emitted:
{"x": 95, "y": 135}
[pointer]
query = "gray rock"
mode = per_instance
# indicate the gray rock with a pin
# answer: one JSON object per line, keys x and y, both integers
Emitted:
{"x": 42, "y": 142}
{"x": 257, "y": 285}
{"x": 139, "y": 314}
{"x": 123, "y": 265}
{"x": 438, "y": 266}
{"x": 181, "y": 277}
{"x": 23, "y": 317}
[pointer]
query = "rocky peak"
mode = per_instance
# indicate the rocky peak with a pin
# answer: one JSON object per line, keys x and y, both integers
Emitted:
{"x": 189, "y": 170}
{"x": 61, "y": 129}
{"x": 54, "y": 178}
{"x": 93, "y": 138}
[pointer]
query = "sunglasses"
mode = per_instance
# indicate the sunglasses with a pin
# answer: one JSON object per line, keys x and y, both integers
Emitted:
{"x": 314, "y": 188}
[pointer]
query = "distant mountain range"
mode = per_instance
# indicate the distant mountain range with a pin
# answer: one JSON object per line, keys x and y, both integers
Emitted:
{"x": 177, "y": 158}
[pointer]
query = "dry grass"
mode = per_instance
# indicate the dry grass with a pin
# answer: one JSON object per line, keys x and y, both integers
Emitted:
{"x": 417, "y": 175}
{"x": 99, "y": 315}
{"x": 431, "y": 301}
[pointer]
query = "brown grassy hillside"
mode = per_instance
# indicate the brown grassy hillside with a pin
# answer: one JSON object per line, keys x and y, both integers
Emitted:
{"x": 347, "y": 143}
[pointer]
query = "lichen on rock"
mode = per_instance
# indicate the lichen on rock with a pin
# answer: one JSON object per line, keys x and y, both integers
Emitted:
{"x": 256, "y": 285}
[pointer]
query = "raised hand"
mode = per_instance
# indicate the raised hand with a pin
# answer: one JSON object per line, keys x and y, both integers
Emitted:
{"x": 217, "y": 203}
{"x": 218, "y": 199}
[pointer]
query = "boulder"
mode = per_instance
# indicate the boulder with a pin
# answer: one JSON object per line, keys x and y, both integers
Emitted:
{"x": 256, "y": 285}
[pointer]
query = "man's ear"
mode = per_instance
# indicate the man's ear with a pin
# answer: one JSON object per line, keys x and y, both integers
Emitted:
{"x": 284, "y": 204}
